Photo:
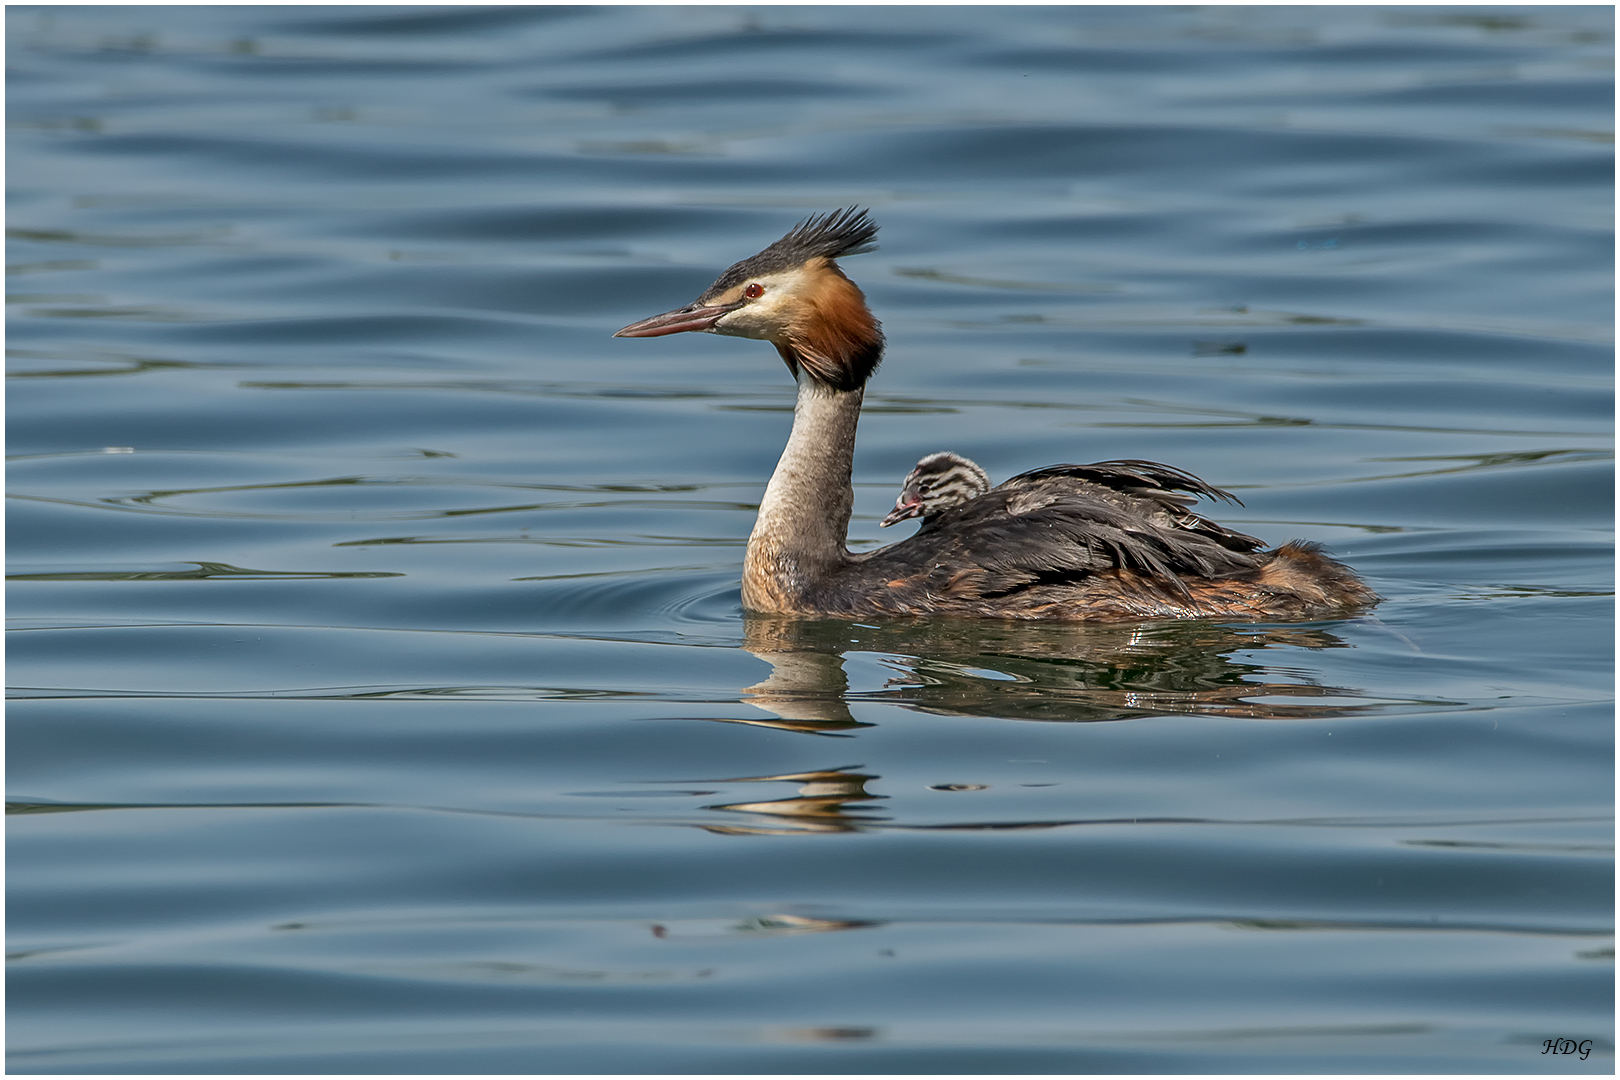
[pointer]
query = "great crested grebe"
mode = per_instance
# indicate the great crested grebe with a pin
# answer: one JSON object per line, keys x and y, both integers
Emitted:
{"x": 1108, "y": 541}
{"x": 938, "y": 483}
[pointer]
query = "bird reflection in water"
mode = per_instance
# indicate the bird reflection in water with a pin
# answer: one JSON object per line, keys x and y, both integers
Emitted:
{"x": 773, "y": 924}
{"x": 806, "y": 690}
{"x": 826, "y": 802}
{"x": 1020, "y": 671}
{"x": 1023, "y": 671}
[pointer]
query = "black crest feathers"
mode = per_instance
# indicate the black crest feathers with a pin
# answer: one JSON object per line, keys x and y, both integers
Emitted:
{"x": 843, "y": 232}
{"x": 850, "y": 231}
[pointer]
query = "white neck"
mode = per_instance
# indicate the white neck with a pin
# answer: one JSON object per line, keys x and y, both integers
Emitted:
{"x": 798, "y": 538}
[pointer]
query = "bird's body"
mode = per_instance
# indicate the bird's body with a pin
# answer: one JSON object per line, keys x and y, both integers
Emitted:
{"x": 1114, "y": 540}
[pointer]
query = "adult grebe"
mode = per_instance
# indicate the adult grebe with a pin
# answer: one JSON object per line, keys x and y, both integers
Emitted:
{"x": 1106, "y": 541}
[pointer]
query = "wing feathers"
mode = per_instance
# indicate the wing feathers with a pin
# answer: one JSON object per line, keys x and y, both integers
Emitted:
{"x": 1066, "y": 522}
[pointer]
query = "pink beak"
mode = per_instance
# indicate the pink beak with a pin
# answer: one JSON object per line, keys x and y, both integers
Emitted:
{"x": 690, "y": 317}
{"x": 903, "y": 508}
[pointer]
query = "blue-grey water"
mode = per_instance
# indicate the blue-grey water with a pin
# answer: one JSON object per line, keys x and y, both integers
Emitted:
{"x": 382, "y": 699}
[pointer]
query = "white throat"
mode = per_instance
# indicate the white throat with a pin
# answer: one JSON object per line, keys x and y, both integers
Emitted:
{"x": 799, "y": 536}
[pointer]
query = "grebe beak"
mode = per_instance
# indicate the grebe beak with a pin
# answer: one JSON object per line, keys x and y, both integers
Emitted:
{"x": 902, "y": 509}
{"x": 690, "y": 317}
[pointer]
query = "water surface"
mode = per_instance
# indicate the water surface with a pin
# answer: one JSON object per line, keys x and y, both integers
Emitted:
{"x": 382, "y": 699}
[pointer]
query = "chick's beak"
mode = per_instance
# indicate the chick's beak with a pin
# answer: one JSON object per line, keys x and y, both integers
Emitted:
{"x": 903, "y": 508}
{"x": 690, "y": 317}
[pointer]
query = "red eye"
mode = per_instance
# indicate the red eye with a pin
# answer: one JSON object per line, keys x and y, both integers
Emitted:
{"x": 754, "y": 291}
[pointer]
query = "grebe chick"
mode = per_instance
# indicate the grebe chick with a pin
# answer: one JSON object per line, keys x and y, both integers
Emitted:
{"x": 939, "y": 482}
{"x": 1114, "y": 540}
